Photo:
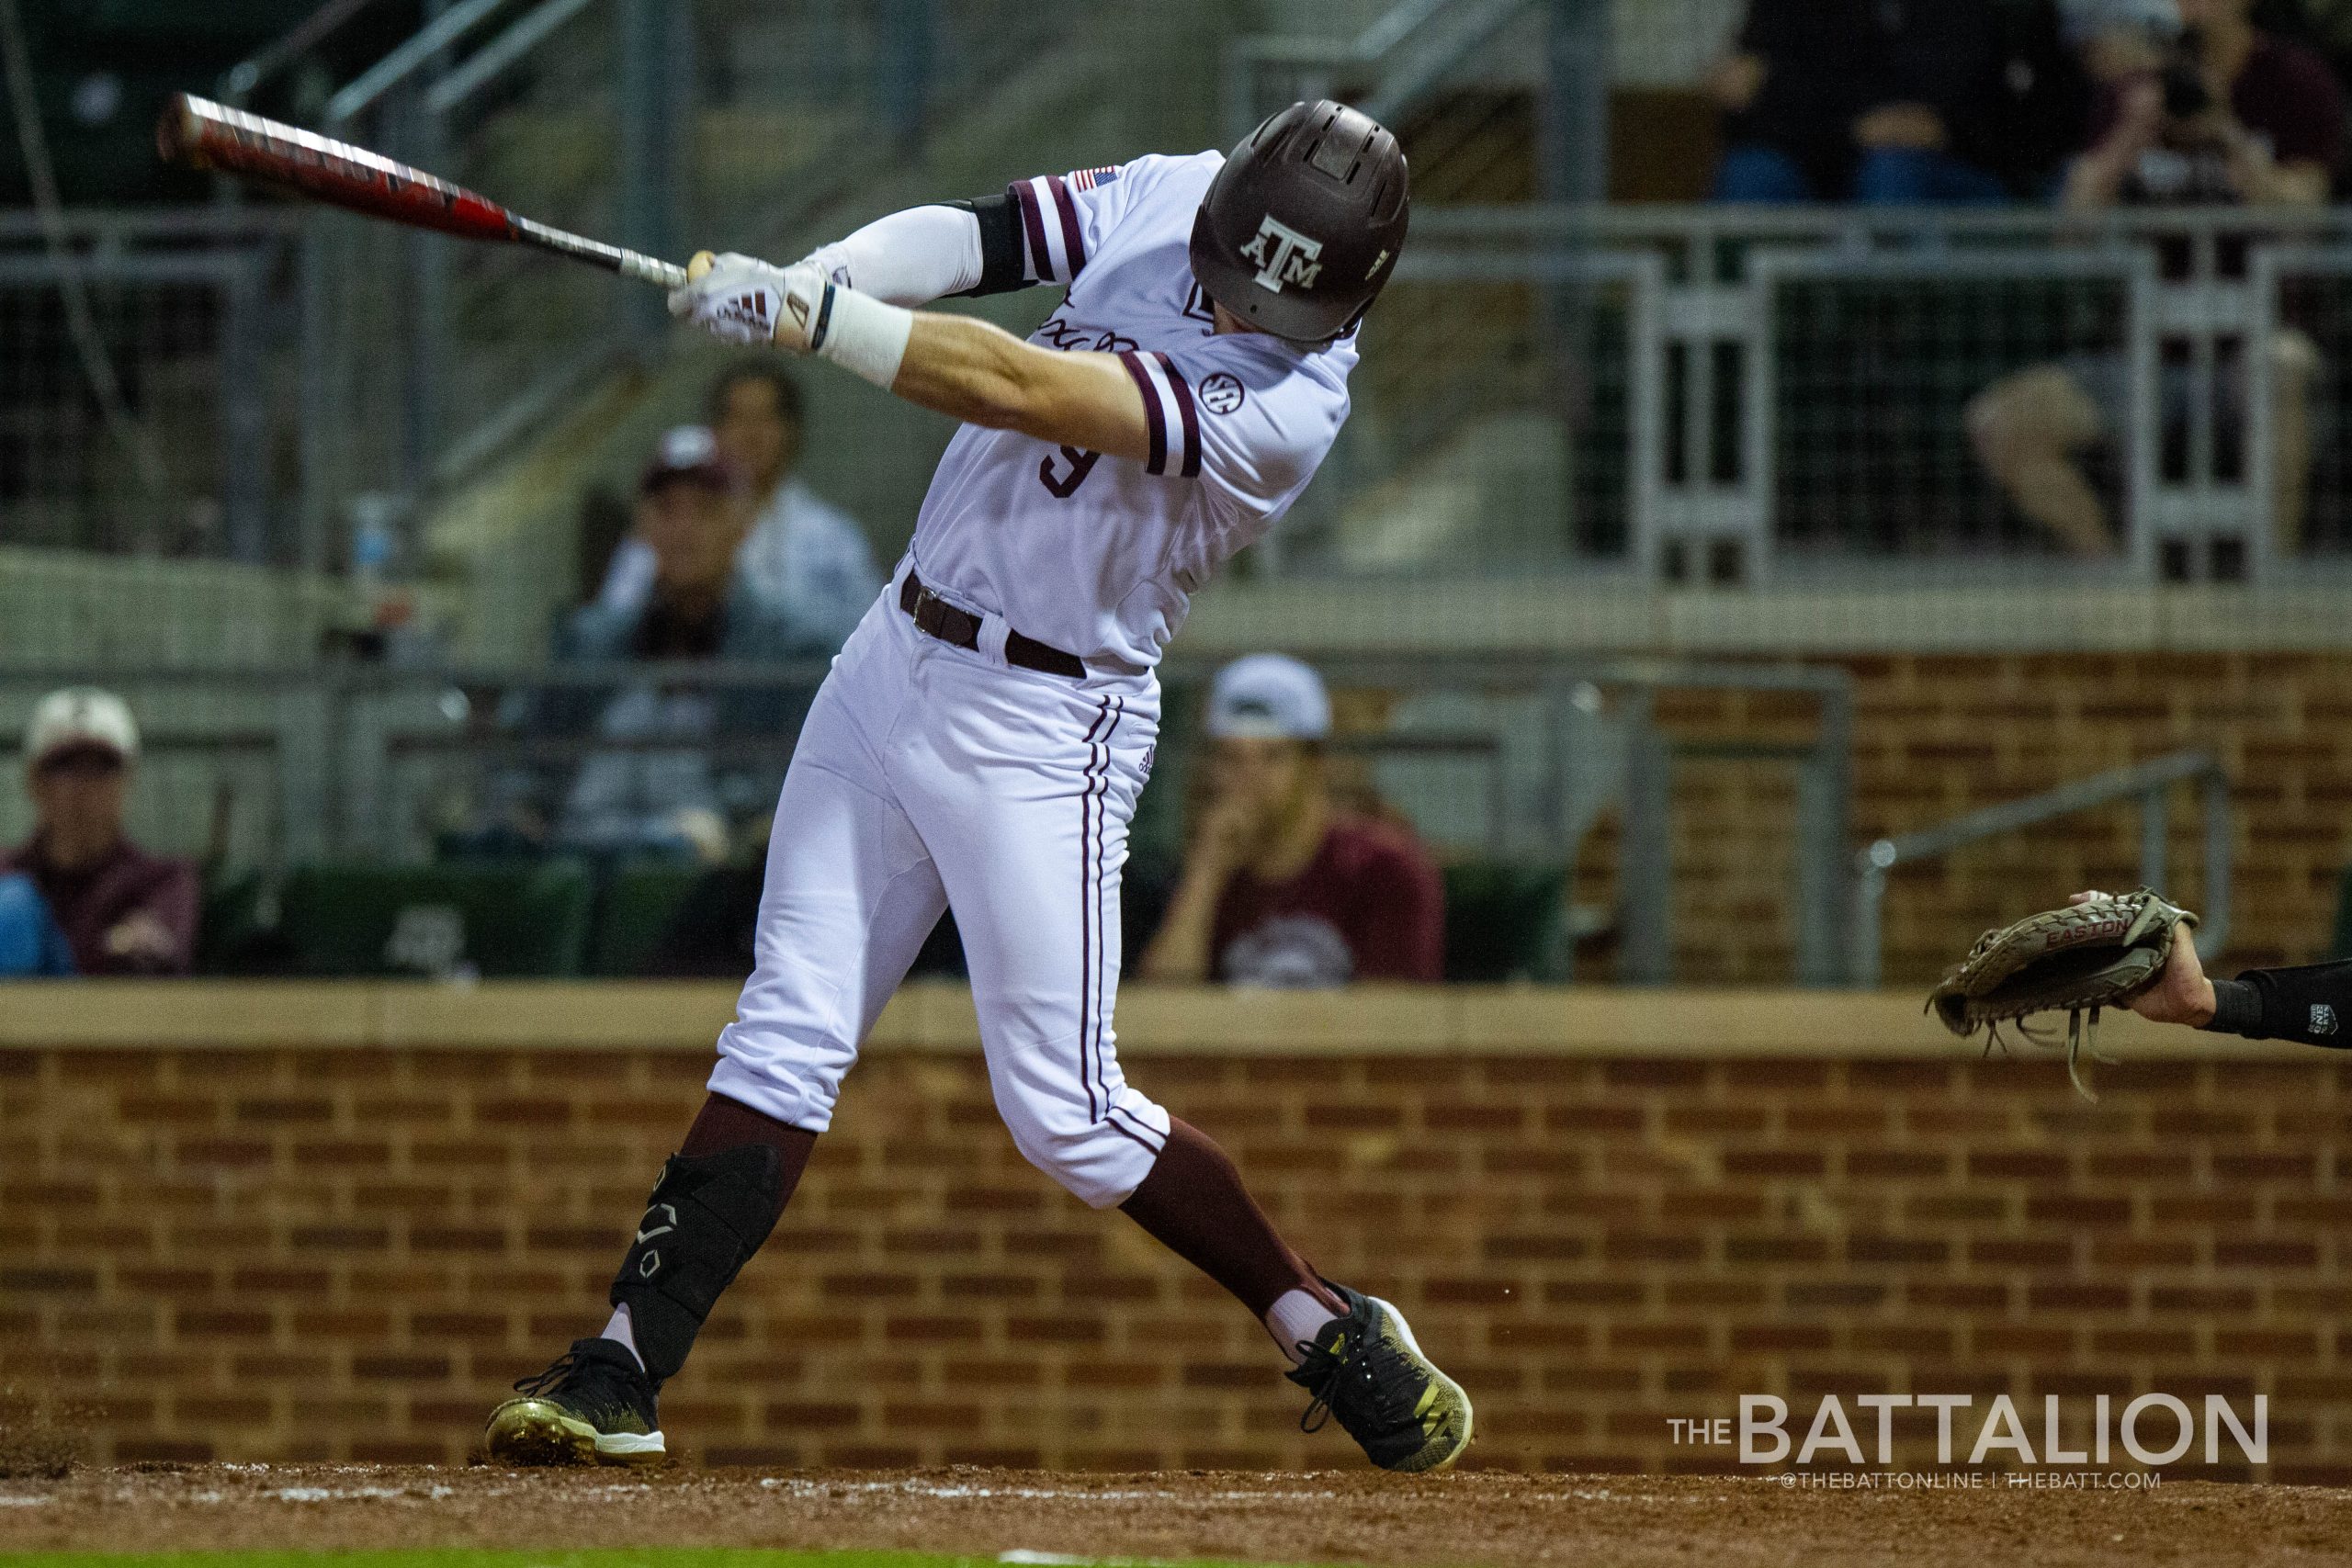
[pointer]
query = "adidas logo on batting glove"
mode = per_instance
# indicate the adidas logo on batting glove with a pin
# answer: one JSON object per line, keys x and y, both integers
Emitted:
{"x": 742, "y": 299}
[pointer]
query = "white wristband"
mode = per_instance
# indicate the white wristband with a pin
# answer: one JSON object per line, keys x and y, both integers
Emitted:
{"x": 860, "y": 334}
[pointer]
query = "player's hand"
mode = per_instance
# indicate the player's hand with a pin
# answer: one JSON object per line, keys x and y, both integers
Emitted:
{"x": 2182, "y": 994}
{"x": 742, "y": 299}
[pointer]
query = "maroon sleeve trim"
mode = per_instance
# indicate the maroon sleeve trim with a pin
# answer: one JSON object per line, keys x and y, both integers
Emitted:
{"x": 1156, "y": 463}
{"x": 1191, "y": 465}
{"x": 1033, "y": 223}
{"x": 1072, "y": 245}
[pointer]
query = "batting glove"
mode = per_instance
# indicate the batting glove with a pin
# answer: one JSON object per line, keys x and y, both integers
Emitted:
{"x": 742, "y": 299}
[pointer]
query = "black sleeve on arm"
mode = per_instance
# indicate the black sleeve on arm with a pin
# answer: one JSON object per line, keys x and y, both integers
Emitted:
{"x": 2312, "y": 1004}
{"x": 1000, "y": 248}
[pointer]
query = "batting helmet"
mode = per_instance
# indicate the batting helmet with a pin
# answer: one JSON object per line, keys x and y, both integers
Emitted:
{"x": 1301, "y": 226}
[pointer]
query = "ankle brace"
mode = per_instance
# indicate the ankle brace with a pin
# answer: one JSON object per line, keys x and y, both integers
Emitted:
{"x": 707, "y": 1214}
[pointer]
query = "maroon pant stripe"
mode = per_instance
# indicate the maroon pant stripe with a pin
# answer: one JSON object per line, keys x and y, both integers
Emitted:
{"x": 1085, "y": 925}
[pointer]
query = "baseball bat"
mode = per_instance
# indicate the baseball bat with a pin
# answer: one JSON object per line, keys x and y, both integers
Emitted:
{"x": 197, "y": 133}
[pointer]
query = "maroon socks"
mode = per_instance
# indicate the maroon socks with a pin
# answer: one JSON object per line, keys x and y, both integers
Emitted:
{"x": 1194, "y": 1202}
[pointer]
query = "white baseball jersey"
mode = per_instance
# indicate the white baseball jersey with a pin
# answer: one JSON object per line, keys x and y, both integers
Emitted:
{"x": 931, "y": 775}
{"x": 1100, "y": 556}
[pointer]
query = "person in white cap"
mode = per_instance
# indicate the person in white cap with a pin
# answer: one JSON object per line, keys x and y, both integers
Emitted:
{"x": 121, "y": 910}
{"x": 1280, "y": 886}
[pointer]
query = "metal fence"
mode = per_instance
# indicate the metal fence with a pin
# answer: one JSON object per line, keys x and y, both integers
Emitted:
{"x": 187, "y": 306}
{"x": 636, "y": 119}
{"x": 1691, "y": 395}
{"x": 1743, "y": 397}
{"x": 1518, "y": 760}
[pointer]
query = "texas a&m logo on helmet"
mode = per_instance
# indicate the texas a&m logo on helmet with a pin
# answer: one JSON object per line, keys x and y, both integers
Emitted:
{"x": 1283, "y": 255}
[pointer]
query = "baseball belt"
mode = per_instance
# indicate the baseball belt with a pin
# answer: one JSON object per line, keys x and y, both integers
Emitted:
{"x": 936, "y": 617}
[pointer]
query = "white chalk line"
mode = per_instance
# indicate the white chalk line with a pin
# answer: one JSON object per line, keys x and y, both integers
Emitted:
{"x": 835, "y": 1489}
{"x": 955, "y": 1492}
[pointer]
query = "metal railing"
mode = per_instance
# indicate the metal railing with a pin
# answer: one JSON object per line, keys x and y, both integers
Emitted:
{"x": 1643, "y": 784}
{"x": 184, "y": 306}
{"x": 639, "y": 121}
{"x": 1747, "y": 397}
{"x": 2149, "y": 782}
{"x": 1751, "y": 396}
{"x": 262, "y": 69}
{"x": 278, "y": 768}
{"x": 1386, "y": 70}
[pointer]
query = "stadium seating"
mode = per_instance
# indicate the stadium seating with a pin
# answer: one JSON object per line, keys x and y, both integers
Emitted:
{"x": 1505, "y": 922}
{"x": 495, "y": 920}
{"x": 639, "y": 903}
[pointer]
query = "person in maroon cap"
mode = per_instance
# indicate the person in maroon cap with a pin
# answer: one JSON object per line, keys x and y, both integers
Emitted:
{"x": 120, "y": 911}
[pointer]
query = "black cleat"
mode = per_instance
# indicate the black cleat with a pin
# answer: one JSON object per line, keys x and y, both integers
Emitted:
{"x": 1365, "y": 1370}
{"x": 594, "y": 1406}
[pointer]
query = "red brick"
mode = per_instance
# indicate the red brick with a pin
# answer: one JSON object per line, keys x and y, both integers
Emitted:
{"x": 1592, "y": 1242}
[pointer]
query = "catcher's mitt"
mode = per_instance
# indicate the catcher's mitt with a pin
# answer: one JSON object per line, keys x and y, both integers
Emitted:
{"x": 2100, "y": 952}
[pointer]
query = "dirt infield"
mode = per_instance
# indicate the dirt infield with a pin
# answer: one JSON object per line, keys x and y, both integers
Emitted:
{"x": 1322, "y": 1517}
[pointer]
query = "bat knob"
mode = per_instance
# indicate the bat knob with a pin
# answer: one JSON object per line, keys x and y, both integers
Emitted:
{"x": 702, "y": 263}
{"x": 179, "y": 132}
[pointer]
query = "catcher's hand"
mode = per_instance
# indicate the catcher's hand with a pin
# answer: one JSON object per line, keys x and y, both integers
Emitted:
{"x": 2098, "y": 951}
{"x": 2182, "y": 994}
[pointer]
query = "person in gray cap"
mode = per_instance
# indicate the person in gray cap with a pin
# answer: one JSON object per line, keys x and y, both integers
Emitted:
{"x": 1280, "y": 886}
{"x": 118, "y": 909}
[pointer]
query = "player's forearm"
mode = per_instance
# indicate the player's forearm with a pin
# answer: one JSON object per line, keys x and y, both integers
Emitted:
{"x": 982, "y": 374}
{"x": 2309, "y": 1004}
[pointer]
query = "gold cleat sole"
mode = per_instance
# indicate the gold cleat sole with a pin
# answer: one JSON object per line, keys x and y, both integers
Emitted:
{"x": 1445, "y": 1400}
{"x": 533, "y": 1433}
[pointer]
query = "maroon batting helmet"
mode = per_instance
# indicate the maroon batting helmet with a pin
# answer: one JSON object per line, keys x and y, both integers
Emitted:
{"x": 1301, "y": 226}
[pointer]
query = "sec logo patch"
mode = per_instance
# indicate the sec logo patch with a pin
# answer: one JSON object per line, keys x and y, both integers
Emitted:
{"x": 1221, "y": 394}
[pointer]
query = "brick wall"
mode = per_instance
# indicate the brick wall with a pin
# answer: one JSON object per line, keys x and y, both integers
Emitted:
{"x": 299, "y": 1251}
{"x": 1939, "y": 736}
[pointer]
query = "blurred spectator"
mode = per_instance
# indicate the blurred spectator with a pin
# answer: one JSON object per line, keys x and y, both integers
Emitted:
{"x": 79, "y": 896}
{"x": 805, "y": 557}
{"x": 2212, "y": 111}
{"x": 1790, "y": 91}
{"x": 1280, "y": 887}
{"x": 1926, "y": 132}
{"x": 1893, "y": 102}
{"x": 700, "y": 604}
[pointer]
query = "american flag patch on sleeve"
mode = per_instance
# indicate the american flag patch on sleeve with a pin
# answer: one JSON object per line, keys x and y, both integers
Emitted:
{"x": 1087, "y": 179}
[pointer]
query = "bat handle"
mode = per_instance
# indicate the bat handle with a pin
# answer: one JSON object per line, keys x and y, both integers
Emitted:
{"x": 653, "y": 270}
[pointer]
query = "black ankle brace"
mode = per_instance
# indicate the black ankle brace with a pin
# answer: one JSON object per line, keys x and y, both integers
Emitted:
{"x": 707, "y": 1214}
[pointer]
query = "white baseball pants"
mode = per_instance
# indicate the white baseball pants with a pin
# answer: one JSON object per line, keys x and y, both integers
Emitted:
{"x": 928, "y": 776}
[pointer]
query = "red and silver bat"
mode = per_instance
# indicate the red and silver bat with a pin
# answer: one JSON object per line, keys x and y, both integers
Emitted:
{"x": 197, "y": 133}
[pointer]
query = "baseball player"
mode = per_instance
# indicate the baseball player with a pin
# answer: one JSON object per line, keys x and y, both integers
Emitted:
{"x": 983, "y": 735}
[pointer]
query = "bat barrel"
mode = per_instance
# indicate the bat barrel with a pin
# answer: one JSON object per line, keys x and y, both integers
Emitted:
{"x": 197, "y": 133}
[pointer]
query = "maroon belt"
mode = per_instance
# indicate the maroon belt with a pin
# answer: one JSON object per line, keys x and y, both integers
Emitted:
{"x": 938, "y": 619}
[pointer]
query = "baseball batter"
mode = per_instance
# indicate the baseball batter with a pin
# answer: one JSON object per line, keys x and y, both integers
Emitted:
{"x": 983, "y": 736}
